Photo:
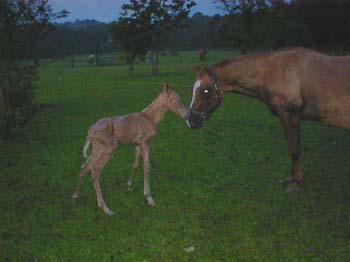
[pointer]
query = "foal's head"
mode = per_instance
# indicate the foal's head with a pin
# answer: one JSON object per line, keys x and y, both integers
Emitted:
{"x": 206, "y": 97}
{"x": 172, "y": 101}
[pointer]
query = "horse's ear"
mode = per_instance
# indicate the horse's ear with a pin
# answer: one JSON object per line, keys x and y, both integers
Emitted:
{"x": 166, "y": 88}
{"x": 196, "y": 68}
{"x": 206, "y": 70}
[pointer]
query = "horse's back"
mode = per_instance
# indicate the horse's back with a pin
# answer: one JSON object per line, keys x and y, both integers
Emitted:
{"x": 325, "y": 87}
{"x": 313, "y": 83}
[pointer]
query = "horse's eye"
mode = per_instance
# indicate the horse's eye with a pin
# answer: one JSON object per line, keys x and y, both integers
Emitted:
{"x": 205, "y": 92}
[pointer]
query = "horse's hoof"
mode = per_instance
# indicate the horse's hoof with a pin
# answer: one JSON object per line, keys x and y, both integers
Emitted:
{"x": 129, "y": 183}
{"x": 287, "y": 181}
{"x": 291, "y": 187}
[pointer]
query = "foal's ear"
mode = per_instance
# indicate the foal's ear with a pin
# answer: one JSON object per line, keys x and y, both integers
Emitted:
{"x": 166, "y": 88}
{"x": 196, "y": 68}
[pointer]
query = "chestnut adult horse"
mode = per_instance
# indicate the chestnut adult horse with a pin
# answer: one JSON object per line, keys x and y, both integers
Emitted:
{"x": 295, "y": 84}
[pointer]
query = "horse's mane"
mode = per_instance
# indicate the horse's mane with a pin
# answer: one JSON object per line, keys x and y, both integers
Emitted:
{"x": 262, "y": 55}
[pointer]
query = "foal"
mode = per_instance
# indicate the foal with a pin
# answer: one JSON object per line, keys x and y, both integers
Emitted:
{"x": 136, "y": 129}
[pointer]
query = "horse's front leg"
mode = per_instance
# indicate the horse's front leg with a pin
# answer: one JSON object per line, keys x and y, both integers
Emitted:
{"x": 291, "y": 125}
{"x": 146, "y": 173}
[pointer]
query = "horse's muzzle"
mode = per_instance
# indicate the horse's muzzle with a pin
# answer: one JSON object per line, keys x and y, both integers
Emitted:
{"x": 194, "y": 120}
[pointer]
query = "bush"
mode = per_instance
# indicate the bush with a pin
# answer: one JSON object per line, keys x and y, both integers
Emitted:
{"x": 16, "y": 96}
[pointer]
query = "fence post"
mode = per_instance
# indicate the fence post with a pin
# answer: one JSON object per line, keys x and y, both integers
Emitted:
{"x": 4, "y": 116}
{"x": 72, "y": 57}
{"x": 3, "y": 104}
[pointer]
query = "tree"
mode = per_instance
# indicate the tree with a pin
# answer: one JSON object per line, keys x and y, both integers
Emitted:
{"x": 244, "y": 23}
{"x": 157, "y": 18}
{"x": 23, "y": 23}
{"x": 130, "y": 37}
{"x": 326, "y": 22}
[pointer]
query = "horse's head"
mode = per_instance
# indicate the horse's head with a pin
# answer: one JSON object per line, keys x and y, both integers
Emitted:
{"x": 206, "y": 97}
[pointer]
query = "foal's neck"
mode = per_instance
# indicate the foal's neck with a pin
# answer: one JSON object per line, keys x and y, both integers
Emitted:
{"x": 155, "y": 111}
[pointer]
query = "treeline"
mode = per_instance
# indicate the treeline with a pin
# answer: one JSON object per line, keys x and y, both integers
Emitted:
{"x": 248, "y": 25}
{"x": 81, "y": 36}
{"x": 90, "y": 36}
{"x": 251, "y": 25}
{"x": 270, "y": 24}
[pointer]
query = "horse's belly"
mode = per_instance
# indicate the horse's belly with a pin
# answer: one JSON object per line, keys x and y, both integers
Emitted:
{"x": 336, "y": 114}
{"x": 339, "y": 119}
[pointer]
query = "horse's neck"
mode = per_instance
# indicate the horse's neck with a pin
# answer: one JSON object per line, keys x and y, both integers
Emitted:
{"x": 155, "y": 111}
{"x": 242, "y": 75}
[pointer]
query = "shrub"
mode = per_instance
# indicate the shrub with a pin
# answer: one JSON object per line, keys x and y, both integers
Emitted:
{"x": 16, "y": 96}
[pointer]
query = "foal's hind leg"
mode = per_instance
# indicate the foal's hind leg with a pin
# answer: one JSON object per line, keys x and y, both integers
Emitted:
{"x": 104, "y": 155}
{"x": 135, "y": 164}
{"x": 146, "y": 173}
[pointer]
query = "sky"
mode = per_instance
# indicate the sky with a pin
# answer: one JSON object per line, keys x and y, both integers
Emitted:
{"x": 108, "y": 10}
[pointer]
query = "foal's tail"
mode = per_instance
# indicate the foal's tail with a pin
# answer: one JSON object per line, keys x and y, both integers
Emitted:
{"x": 87, "y": 145}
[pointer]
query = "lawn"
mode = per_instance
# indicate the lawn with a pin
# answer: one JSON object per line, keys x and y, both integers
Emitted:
{"x": 216, "y": 189}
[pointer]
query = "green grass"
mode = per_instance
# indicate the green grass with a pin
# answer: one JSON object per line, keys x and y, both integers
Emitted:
{"x": 216, "y": 189}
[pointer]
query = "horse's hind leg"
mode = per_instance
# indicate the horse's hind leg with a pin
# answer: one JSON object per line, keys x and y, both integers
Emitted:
{"x": 135, "y": 164}
{"x": 104, "y": 155}
{"x": 84, "y": 171}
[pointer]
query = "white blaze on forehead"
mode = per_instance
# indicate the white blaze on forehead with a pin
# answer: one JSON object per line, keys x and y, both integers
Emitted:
{"x": 196, "y": 85}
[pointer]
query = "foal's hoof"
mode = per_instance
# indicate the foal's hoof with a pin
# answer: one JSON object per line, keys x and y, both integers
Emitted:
{"x": 150, "y": 201}
{"x": 129, "y": 183}
{"x": 108, "y": 212}
{"x": 75, "y": 196}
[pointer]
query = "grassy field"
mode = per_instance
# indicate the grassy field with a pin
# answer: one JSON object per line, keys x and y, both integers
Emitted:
{"x": 217, "y": 189}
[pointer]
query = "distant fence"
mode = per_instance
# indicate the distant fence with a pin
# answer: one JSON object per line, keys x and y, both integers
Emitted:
{"x": 108, "y": 60}
{"x": 78, "y": 60}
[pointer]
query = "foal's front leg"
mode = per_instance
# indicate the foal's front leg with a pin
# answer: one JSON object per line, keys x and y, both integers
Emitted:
{"x": 146, "y": 173}
{"x": 135, "y": 164}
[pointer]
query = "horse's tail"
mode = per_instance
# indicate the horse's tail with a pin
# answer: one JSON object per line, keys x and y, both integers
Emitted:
{"x": 87, "y": 145}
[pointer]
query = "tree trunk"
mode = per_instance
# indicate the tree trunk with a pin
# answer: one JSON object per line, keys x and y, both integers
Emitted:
{"x": 156, "y": 63}
{"x": 3, "y": 102}
{"x": 152, "y": 61}
{"x": 4, "y": 119}
{"x": 131, "y": 68}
